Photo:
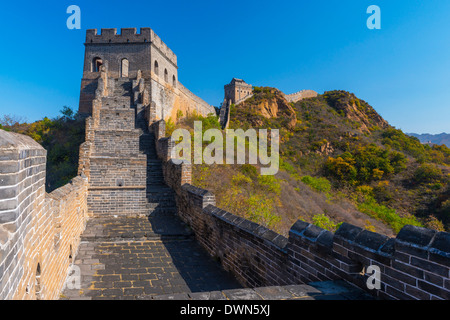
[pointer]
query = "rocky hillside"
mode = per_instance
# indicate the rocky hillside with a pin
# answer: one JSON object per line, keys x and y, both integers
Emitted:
{"x": 340, "y": 162}
{"x": 264, "y": 105}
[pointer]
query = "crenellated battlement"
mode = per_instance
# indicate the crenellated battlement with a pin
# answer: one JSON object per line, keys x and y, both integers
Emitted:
{"x": 128, "y": 51}
{"x": 129, "y": 35}
{"x": 300, "y": 95}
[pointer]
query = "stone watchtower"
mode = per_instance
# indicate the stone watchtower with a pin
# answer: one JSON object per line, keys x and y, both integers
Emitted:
{"x": 123, "y": 55}
{"x": 235, "y": 92}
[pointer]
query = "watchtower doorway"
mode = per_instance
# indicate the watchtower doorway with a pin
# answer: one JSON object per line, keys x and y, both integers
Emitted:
{"x": 96, "y": 64}
{"x": 124, "y": 68}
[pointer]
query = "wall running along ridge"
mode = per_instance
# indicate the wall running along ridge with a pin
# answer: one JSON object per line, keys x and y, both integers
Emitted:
{"x": 414, "y": 265}
{"x": 294, "y": 97}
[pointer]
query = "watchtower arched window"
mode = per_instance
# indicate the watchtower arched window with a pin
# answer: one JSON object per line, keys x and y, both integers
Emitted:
{"x": 156, "y": 68}
{"x": 174, "y": 81}
{"x": 37, "y": 284}
{"x": 166, "y": 75}
{"x": 96, "y": 64}
{"x": 124, "y": 65}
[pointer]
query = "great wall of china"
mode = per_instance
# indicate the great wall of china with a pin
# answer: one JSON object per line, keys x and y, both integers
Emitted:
{"x": 136, "y": 227}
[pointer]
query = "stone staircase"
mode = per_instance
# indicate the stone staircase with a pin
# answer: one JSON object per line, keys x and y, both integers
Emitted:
{"x": 122, "y": 88}
{"x": 160, "y": 197}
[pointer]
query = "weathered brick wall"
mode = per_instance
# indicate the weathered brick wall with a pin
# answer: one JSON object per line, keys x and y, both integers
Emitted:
{"x": 124, "y": 201}
{"x": 414, "y": 265}
{"x": 35, "y": 228}
{"x": 116, "y": 119}
{"x": 111, "y": 158}
{"x": 191, "y": 103}
{"x": 116, "y": 172}
{"x": 120, "y": 142}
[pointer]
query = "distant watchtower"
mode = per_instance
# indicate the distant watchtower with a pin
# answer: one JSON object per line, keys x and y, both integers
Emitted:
{"x": 237, "y": 90}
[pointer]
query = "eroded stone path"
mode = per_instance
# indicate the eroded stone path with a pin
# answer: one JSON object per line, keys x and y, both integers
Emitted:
{"x": 128, "y": 258}
{"x": 125, "y": 258}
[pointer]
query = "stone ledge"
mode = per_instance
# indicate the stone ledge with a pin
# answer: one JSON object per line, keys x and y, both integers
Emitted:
{"x": 348, "y": 232}
{"x": 326, "y": 290}
{"x": 441, "y": 243}
{"x": 11, "y": 141}
{"x": 248, "y": 226}
{"x": 416, "y": 235}
{"x": 117, "y": 188}
{"x": 371, "y": 240}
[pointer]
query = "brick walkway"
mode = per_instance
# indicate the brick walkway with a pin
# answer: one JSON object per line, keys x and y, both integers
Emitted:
{"x": 154, "y": 257}
{"x": 124, "y": 258}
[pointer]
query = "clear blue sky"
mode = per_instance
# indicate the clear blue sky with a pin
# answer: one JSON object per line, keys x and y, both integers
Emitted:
{"x": 402, "y": 70}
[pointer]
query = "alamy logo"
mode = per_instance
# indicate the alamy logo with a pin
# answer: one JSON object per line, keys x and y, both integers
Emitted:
{"x": 73, "y": 280}
{"x": 374, "y": 21}
{"x": 74, "y": 20}
{"x": 374, "y": 280}
{"x": 242, "y": 147}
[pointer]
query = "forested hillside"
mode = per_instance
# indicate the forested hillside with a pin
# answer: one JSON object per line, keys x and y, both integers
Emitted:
{"x": 61, "y": 137}
{"x": 340, "y": 161}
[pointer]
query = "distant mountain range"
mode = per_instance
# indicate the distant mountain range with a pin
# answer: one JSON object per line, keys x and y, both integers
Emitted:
{"x": 442, "y": 138}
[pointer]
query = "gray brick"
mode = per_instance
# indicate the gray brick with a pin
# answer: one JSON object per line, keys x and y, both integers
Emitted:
{"x": 416, "y": 235}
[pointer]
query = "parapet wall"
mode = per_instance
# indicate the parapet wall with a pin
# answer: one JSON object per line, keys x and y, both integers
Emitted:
{"x": 39, "y": 232}
{"x": 414, "y": 265}
{"x": 294, "y": 97}
{"x": 193, "y": 102}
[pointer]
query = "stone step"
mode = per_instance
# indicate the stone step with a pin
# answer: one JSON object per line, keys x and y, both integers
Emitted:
{"x": 162, "y": 205}
{"x": 154, "y": 171}
{"x": 154, "y": 181}
{"x": 159, "y": 189}
{"x": 161, "y": 210}
{"x": 312, "y": 291}
{"x": 156, "y": 176}
{"x": 160, "y": 197}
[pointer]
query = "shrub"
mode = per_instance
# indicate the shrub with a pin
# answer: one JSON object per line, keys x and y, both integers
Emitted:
{"x": 342, "y": 169}
{"x": 260, "y": 210}
{"x": 364, "y": 190}
{"x": 240, "y": 179}
{"x": 320, "y": 184}
{"x": 270, "y": 183}
{"x": 365, "y": 164}
{"x": 322, "y": 221}
{"x": 427, "y": 173}
{"x": 249, "y": 170}
{"x": 387, "y": 215}
{"x": 286, "y": 166}
{"x": 433, "y": 223}
{"x": 170, "y": 127}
